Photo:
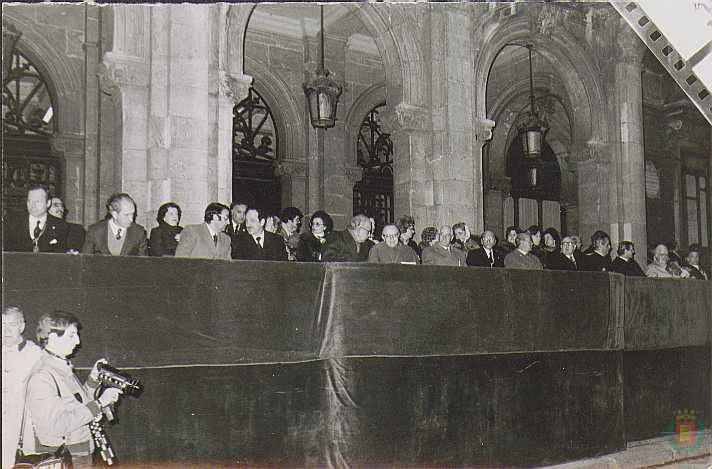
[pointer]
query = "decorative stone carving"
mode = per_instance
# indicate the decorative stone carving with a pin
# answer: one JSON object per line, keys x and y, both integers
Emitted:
{"x": 107, "y": 82}
{"x": 292, "y": 169}
{"x": 482, "y": 128}
{"x": 407, "y": 117}
{"x": 589, "y": 151}
{"x": 234, "y": 87}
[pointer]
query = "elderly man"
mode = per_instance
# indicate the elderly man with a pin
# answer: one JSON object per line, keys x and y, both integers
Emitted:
{"x": 522, "y": 257}
{"x": 597, "y": 258}
{"x": 692, "y": 263}
{"x": 486, "y": 256}
{"x": 35, "y": 230}
{"x": 207, "y": 240}
{"x": 75, "y": 232}
{"x": 118, "y": 235}
{"x": 624, "y": 263}
{"x": 659, "y": 267}
{"x": 256, "y": 243}
{"x": 391, "y": 251}
{"x": 443, "y": 252}
{"x": 349, "y": 245}
{"x": 566, "y": 259}
{"x": 18, "y": 358}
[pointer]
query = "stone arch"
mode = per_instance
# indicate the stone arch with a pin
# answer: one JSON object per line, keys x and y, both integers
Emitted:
{"x": 285, "y": 110}
{"x": 568, "y": 58}
{"x": 62, "y": 80}
{"x": 370, "y": 98}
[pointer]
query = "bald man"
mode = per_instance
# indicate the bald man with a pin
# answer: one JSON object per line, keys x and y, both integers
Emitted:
{"x": 351, "y": 244}
{"x": 442, "y": 252}
{"x": 486, "y": 256}
{"x": 391, "y": 251}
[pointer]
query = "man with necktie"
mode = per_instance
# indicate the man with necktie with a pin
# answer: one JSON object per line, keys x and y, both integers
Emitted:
{"x": 207, "y": 240}
{"x": 117, "y": 235}
{"x": 257, "y": 244}
{"x": 486, "y": 256}
{"x": 624, "y": 263}
{"x": 566, "y": 259}
{"x": 36, "y": 230}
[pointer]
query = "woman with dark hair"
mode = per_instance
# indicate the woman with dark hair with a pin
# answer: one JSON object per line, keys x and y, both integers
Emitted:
{"x": 429, "y": 237}
{"x": 59, "y": 407}
{"x": 406, "y": 226}
{"x": 510, "y": 240}
{"x": 164, "y": 238}
{"x": 552, "y": 242}
{"x": 311, "y": 242}
{"x": 537, "y": 249}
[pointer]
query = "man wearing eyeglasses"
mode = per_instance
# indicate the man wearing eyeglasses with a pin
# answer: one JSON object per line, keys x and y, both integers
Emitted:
{"x": 351, "y": 244}
{"x": 391, "y": 251}
{"x": 566, "y": 259}
{"x": 207, "y": 240}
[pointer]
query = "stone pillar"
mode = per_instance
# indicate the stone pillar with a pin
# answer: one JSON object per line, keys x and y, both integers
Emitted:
{"x": 294, "y": 180}
{"x": 71, "y": 148}
{"x": 628, "y": 172}
{"x": 591, "y": 162}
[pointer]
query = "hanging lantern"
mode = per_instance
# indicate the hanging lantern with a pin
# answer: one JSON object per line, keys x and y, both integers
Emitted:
{"x": 10, "y": 36}
{"x": 534, "y": 129}
{"x": 321, "y": 91}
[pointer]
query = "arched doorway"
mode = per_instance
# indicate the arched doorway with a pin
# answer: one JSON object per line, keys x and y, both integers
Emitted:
{"x": 254, "y": 154}
{"x": 373, "y": 194}
{"x": 27, "y": 125}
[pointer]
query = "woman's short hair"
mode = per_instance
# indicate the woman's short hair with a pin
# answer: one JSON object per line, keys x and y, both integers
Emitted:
{"x": 325, "y": 217}
{"x": 163, "y": 209}
{"x": 554, "y": 233}
{"x": 429, "y": 234}
{"x": 214, "y": 208}
{"x": 56, "y": 322}
{"x": 534, "y": 229}
{"x": 510, "y": 228}
{"x": 459, "y": 226}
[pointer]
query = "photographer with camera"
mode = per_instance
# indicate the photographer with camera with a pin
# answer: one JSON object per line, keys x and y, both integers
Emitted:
{"x": 60, "y": 408}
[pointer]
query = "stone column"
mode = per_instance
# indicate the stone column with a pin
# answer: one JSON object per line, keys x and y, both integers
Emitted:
{"x": 71, "y": 148}
{"x": 629, "y": 170}
{"x": 294, "y": 179}
{"x": 591, "y": 163}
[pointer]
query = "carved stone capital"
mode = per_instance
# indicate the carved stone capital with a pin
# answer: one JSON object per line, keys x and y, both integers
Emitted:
{"x": 482, "y": 128}
{"x": 292, "y": 169}
{"x": 589, "y": 151}
{"x": 68, "y": 145}
{"x": 629, "y": 48}
{"x": 234, "y": 87}
{"x": 107, "y": 82}
{"x": 353, "y": 175}
{"x": 123, "y": 70}
{"x": 407, "y": 117}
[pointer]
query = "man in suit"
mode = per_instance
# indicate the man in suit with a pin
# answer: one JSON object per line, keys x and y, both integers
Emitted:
{"x": 486, "y": 256}
{"x": 75, "y": 232}
{"x": 36, "y": 230}
{"x": 443, "y": 252}
{"x": 391, "y": 251}
{"x": 596, "y": 259}
{"x": 624, "y": 263}
{"x": 117, "y": 235}
{"x": 350, "y": 245}
{"x": 692, "y": 263}
{"x": 289, "y": 230}
{"x": 257, "y": 244}
{"x": 207, "y": 240}
{"x": 566, "y": 259}
{"x": 522, "y": 257}
{"x": 238, "y": 209}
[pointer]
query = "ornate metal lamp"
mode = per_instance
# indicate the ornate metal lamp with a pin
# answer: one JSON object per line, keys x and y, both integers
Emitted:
{"x": 322, "y": 92}
{"x": 534, "y": 129}
{"x": 10, "y": 35}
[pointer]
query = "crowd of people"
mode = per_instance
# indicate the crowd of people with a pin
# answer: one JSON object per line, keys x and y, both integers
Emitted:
{"x": 243, "y": 231}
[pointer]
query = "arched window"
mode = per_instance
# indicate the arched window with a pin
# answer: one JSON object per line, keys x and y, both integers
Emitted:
{"x": 254, "y": 153}
{"x": 373, "y": 194}
{"x": 27, "y": 125}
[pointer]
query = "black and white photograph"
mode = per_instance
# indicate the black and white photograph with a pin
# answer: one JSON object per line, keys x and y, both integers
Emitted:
{"x": 380, "y": 234}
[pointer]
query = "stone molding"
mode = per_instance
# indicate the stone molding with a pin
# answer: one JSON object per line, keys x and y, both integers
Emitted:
{"x": 233, "y": 87}
{"x": 630, "y": 49}
{"x": 353, "y": 174}
{"x": 590, "y": 151}
{"x": 68, "y": 145}
{"x": 124, "y": 71}
{"x": 107, "y": 82}
{"x": 292, "y": 169}
{"x": 407, "y": 117}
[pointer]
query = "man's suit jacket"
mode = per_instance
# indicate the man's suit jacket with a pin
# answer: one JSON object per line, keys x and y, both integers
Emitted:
{"x": 16, "y": 236}
{"x": 558, "y": 261}
{"x": 478, "y": 258}
{"x": 272, "y": 247}
{"x": 628, "y": 268}
{"x": 75, "y": 237}
{"x": 341, "y": 247}
{"x": 197, "y": 242}
{"x": 438, "y": 255}
{"x": 233, "y": 237}
{"x": 96, "y": 241}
